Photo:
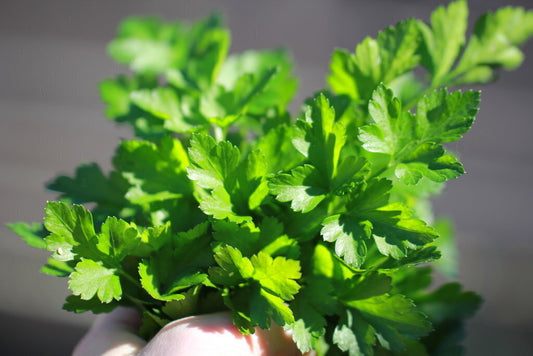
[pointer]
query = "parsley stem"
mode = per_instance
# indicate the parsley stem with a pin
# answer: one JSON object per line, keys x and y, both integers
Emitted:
{"x": 128, "y": 276}
{"x": 220, "y": 133}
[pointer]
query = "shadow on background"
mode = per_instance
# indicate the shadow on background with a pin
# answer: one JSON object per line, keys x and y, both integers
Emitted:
{"x": 33, "y": 336}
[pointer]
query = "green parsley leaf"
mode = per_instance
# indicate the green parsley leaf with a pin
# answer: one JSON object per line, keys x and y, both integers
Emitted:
{"x": 320, "y": 138}
{"x": 449, "y": 302}
{"x": 91, "y": 278}
{"x": 311, "y": 304}
{"x": 494, "y": 44}
{"x": 90, "y": 185}
{"x": 118, "y": 238}
{"x": 164, "y": 104}
{"x": 149, "y": 46}
{"x": 318, "y": 222}
{"x": 276, "y": 275}
{"x": 274, "y": 284}
{"x": 76, "y": 304}
{"x": 303, "y": 187}
{"x": 71, "y": 232}
{"x": 58, "y": 268}
{"x": 234, "y": 187}
{"x": 443, "y": 39}
{"x": 33, "y": 234}
{"x": 223, "y": 106}
{"x": 414, "y": 142}
{"x": 280, "y": 88}
{"x": 189, "y": 260}
{"x": 392, "y": 227}
{"x": 250, "y": 239}
{"x": 391, "y": 319}
{"x": 280, "y": 154}
{"x": 156, "y": 172}
{"x": 375, "y": 61}
{"x": 213, "y": 164}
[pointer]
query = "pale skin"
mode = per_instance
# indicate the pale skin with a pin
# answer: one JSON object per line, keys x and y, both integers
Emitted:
{"x": 114, "y": 334}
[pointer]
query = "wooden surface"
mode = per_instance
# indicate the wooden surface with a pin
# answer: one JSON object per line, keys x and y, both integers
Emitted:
{"x": 52, "y": 55}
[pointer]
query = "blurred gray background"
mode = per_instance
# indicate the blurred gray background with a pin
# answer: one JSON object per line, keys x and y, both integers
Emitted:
{"x": 53, "y": 54}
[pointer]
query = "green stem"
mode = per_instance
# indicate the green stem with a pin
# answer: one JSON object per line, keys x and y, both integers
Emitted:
{"x": 138, "y": 305}
{"x": 380, "y": 262}
{"x": 220, "y": 133}
{"x": 128, "y": 277}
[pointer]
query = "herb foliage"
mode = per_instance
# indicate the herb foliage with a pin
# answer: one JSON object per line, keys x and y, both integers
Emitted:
{"x": 318, "y": 223}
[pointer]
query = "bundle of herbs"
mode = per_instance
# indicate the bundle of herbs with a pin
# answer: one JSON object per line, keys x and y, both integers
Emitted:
{"x": 319, "y": 223}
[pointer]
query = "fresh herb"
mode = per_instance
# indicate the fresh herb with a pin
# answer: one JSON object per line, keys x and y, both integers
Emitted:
{"x": 318, "y": 223}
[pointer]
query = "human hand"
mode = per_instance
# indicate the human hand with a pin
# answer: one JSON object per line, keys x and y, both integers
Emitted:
{"x": 114, "y": 334}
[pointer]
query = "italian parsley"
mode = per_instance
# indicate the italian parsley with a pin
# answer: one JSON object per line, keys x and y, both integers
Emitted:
{"x": 319, "y": 222}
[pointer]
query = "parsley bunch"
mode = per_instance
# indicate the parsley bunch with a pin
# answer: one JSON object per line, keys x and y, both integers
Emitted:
{"x": 318, "y": 223}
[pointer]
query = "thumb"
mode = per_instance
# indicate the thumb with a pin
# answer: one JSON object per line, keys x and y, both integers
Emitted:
{"x": 215, "y": 334}
{"x": 113, "y": 334}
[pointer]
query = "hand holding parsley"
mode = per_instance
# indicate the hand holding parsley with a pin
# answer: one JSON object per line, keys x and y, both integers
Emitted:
{"x": 319, "y": 223}
{"x": 114, "y": 334}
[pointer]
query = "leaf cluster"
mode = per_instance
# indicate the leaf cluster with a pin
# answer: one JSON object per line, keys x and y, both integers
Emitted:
{"x": 318, "y": 222}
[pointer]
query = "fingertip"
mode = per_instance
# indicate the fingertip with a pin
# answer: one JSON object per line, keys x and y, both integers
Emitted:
{"x": 120, "y": 317}
{"x": 113, "y": 334}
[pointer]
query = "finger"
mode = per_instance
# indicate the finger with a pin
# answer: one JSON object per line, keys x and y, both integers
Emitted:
{"x": 113, "y": 334}
{"x": 215, "y": 334}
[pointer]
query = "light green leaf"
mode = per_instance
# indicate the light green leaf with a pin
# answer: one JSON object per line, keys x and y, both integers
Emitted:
{"x": 62, "y": 246}
{"x": 153, "y": 238}
{"x": 118, "y": 238}
{"x": 280, "y": 153}
{"x": 280, "y": 87}
{"x": 375, "y": 61}
{"x": 384, "y": 136}
{"x": 277, "y": 275}
{"x": 443, "y": 39}
{"x": 320, "y": 137}
{"x": 326, "y": 264}
{"x": 72, "y": 232}
{"x": 208, "y": 48}
{"x": 303, "y": 187}
{"x": 92, "y": 278}
{"x": 160, "y": 102}
{"x": 369, "y": 214}
{"x": 444, "y": 117}
{"x": 213, "y": 164}
{"x": 448, "y": 264}
{"x": 253, "y": 188}
{"x": 414, "y": 142}
{"x": 494, "y": 44}
{"x": 219, "y": 205}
